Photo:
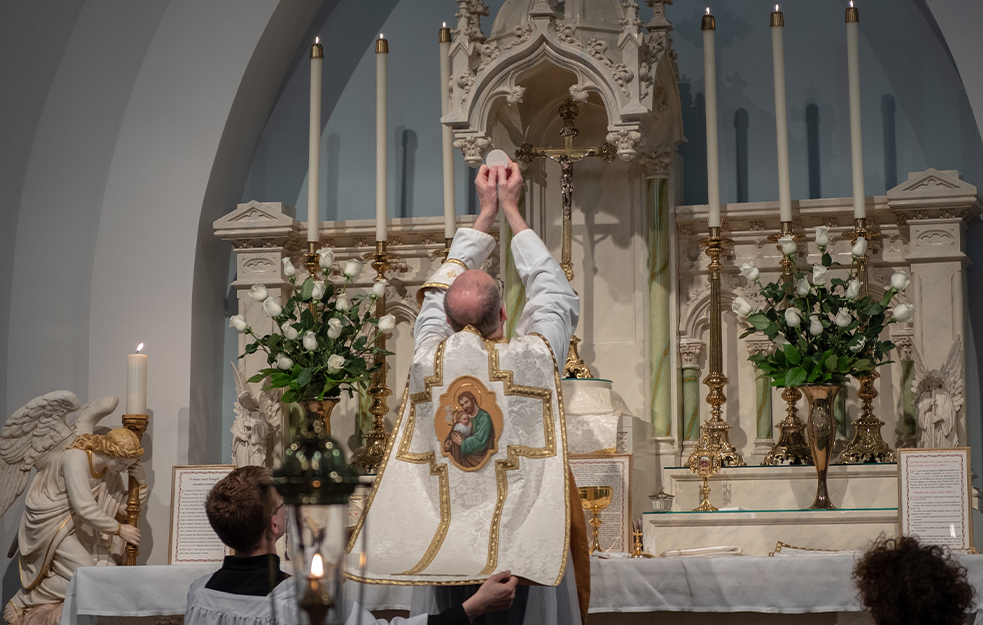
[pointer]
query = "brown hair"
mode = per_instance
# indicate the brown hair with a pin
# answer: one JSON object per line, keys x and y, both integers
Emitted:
{"x": 240, "y": 505}
{"x": 470, "y": 395}
{"x": 904, "y": 583}
{"x": 118, "y": 443}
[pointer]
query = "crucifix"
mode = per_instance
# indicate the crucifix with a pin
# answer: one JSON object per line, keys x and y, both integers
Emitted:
{"x": 566, "y": 156}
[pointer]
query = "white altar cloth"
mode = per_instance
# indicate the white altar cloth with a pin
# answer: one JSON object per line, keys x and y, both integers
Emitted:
{"x": 792, "y": 585}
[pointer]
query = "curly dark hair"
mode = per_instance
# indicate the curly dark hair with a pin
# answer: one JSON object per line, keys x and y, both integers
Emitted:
{"x": 902, "y": 582}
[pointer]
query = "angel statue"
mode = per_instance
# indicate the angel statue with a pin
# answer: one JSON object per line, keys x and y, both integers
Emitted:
{"x": 257, "y": 423}
{"x": 939, "y": 398}
{"x": 75, "y": 510}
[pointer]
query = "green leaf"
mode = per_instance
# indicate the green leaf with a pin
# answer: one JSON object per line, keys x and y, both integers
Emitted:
{"x": 251, "y": 348}
{"x": 307, "y": 289}
{"x": 759, "y": 320}
{"x": 831, "y": 362}
{"x": 792, "y": 354}
{"x": 795, "y": 377}
{"x": 304, "y": 378}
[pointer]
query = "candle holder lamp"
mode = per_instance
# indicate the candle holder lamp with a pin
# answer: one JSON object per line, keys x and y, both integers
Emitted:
{"x": 136, "y": 423}
{"x": 791, "y": 447}
{"x": 716, "y": 380}
{"x": 374, "y": 450}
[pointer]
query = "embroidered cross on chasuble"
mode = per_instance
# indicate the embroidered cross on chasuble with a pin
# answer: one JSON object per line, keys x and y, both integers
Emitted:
{"x": 475, "y": 475}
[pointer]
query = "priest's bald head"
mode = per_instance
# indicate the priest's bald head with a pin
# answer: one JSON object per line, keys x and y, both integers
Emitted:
{"x": 474, "y": 299}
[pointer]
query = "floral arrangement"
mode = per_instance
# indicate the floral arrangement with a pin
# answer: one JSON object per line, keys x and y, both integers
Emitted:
{"x": 316, "y": 355}
{"x": 823, "y": 330}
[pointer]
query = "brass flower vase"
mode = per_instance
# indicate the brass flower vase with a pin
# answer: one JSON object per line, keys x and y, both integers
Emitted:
{"x": 320, "y": 410}
{"x": 821, "y": 427}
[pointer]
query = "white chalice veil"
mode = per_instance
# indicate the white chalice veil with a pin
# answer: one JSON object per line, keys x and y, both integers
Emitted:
{"x": 432, "y": 522}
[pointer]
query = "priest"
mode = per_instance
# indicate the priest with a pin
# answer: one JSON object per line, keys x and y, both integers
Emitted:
{"x": 475, "y": 478}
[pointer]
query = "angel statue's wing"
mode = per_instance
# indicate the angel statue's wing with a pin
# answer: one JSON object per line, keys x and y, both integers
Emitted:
{"x": 269, "y": 403}
{"x": 952, "y": 373}
{"x": 92, "y": 413}
{"x": 240, "y": 383}
{"x": 920, "y": 370}
{"x": 29, "y": 433}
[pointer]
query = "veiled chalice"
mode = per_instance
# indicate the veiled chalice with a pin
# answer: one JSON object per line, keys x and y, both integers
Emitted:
{"x": 595, "y": 499}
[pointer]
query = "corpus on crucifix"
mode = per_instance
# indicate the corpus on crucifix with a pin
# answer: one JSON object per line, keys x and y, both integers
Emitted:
{"x": 566, "y": 157}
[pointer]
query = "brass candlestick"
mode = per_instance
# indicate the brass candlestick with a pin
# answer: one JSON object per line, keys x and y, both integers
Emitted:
{"x": 716, "y": 380}
{"x": 136, "y": 423}
{"x": 867, "y": 444}
{"x": 791, "y": 447}
{"x": 595, "y": 499}
{"x": 637, "y": 550}
{"x": 372, "y": 453}
{"x": 705, "y": 461}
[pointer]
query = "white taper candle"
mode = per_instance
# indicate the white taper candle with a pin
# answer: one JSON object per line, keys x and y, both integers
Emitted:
{"x": 381, "y": 155}
{"x": 781, "y": 114}
{"x": 446, "y": 134}
{"x": 314, "y": 142}
{"x": 136, "y": 382}
{"x": 713, "y": 158}
{"x": 856, "y": 139}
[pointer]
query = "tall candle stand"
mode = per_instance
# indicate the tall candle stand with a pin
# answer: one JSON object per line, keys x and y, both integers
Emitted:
{"x": 715, "y": 426}
{"x": 372, "y": 453}
{"x": 136, "y": 423}
{"x": 791, "y": 447}
{"x": 867, "y": 444}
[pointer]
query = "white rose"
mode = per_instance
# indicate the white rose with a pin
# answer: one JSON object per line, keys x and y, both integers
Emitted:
{"x": 327, "y": 257}
{"x": 353, "y": 268}
{"x": 819, "y": 275}
{"x": 903, "y": 312}
{"x": 283, "y": 362}
{"x": 318, "y": 291}
{"x": 843, "y": 318}
{"x": 859, "y": 345}
{"x": 741, "y": 306}
{"x": 272, "y": 308}
{"x": 749, "y": 271}
{"x": 803, "y": 287}
{"x": 815, "y": 325}
{"x": 335, "y": 363}
{"x": 290, "y": 332}
{"x": 288, "y": 268}
{"x": 342, "y": 303}
{"x": 379, "y": 288}
{"x": 387, "y": 323}
{"x": 860, "y": 247}
{"x": 258, "y": 292}
{"x": 238, "y": 323}
{"x": 853, "y": 289}
{"x": 310, "y": 341}
{"x": 781, "y": 341}
{"x": 793, "y": 317}
{"x": 822, "y": 236}
{"x": 788, "y": 244}
{"x": 900, "y": 280}
{"x": 334, "y": 328}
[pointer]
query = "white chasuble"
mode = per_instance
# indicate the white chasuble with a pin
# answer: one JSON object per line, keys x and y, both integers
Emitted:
{"x": 475, "y": 475}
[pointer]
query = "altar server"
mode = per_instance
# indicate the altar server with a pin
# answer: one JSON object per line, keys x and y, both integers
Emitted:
{"x": 475, "y": 478}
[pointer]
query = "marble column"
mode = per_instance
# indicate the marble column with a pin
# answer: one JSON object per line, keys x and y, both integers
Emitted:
{"x": 764, "y": 440}
{"x": 657, "y": 166}
{"x": 908, "y": 428}
{"x": 690, "y": 354}
{"x": 515, "y": 292}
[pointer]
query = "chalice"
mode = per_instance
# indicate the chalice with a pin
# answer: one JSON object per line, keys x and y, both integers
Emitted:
{"x": 595, "y": 499}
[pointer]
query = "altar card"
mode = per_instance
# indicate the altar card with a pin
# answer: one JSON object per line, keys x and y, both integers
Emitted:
{"x": 934, "y": 496}
{"x": 192, "y": 540}
{"x": 612, "y": 470}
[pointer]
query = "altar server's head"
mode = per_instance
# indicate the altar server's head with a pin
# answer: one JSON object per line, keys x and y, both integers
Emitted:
{"x": 474, "y": 299}
{"x": 246, "y": 511}
{"x": 902, "y": 582}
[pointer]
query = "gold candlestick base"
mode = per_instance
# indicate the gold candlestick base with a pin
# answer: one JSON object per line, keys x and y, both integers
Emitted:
{"x": 705, "y": 461}
{"x": 867, "y": 444}
{"x": 575, "y": 367}
{"x": 136, "y": 423}
{"x": 371, "y": 454}
{"x": 637, "y": 550}
{"x": 791, "y": 447}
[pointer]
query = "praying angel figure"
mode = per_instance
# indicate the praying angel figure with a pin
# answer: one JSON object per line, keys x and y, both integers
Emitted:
{"x": 939, "y": 398}
{"x": 256, "y": 424}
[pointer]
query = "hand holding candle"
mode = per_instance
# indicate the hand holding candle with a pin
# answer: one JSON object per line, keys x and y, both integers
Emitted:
{"x": 136, "y": 382}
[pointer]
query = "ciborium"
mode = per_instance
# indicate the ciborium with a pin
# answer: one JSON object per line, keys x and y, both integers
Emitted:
{"x": 595, "y": 499}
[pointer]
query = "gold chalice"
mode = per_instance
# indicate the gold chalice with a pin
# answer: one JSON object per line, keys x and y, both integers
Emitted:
{"x": 595, "y": 499}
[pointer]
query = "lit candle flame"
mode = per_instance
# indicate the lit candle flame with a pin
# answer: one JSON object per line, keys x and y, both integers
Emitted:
{"x": 139, "y": 347}
{"x": 776, "y": 8}
{"x": 317, "y": 566}
{"x": 445, "y": 25}
{"x": 708, "y": 10}
{"x": 317, "y": 40}
{"x": 380, "y": 36}
{"x": 851, "y": 4}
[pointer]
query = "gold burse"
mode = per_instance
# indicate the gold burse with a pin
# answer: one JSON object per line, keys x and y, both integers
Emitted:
{"x": 475, "y": 475}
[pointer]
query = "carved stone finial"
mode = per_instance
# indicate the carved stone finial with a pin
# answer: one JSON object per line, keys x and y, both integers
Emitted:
{"x": 625, "y": 139}
{"x": 469, "y": 13}
{"x": 658, "y": 21}
{"x": 657, "y": 163}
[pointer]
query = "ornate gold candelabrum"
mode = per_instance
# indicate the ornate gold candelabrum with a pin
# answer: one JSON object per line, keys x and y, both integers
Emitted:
{"x": 791, "y": 447}
{"x": 867, "y": 444}
{"x": 374, "y": 449}
{"x": 637, "y": 550}
{"x": 595, "y": 499}
{"x": 716, "y": 380}
{"x": 705, "y": 461}
{"x": 136, "y": 423}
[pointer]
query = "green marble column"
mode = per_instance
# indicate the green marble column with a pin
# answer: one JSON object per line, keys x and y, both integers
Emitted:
{"x": 660, "y": 336}
{"x": 839, "y": 411}
{"x": 762, "y": 395}
{"x": 515, "y": 292}
{"x": 691, "y": 403}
